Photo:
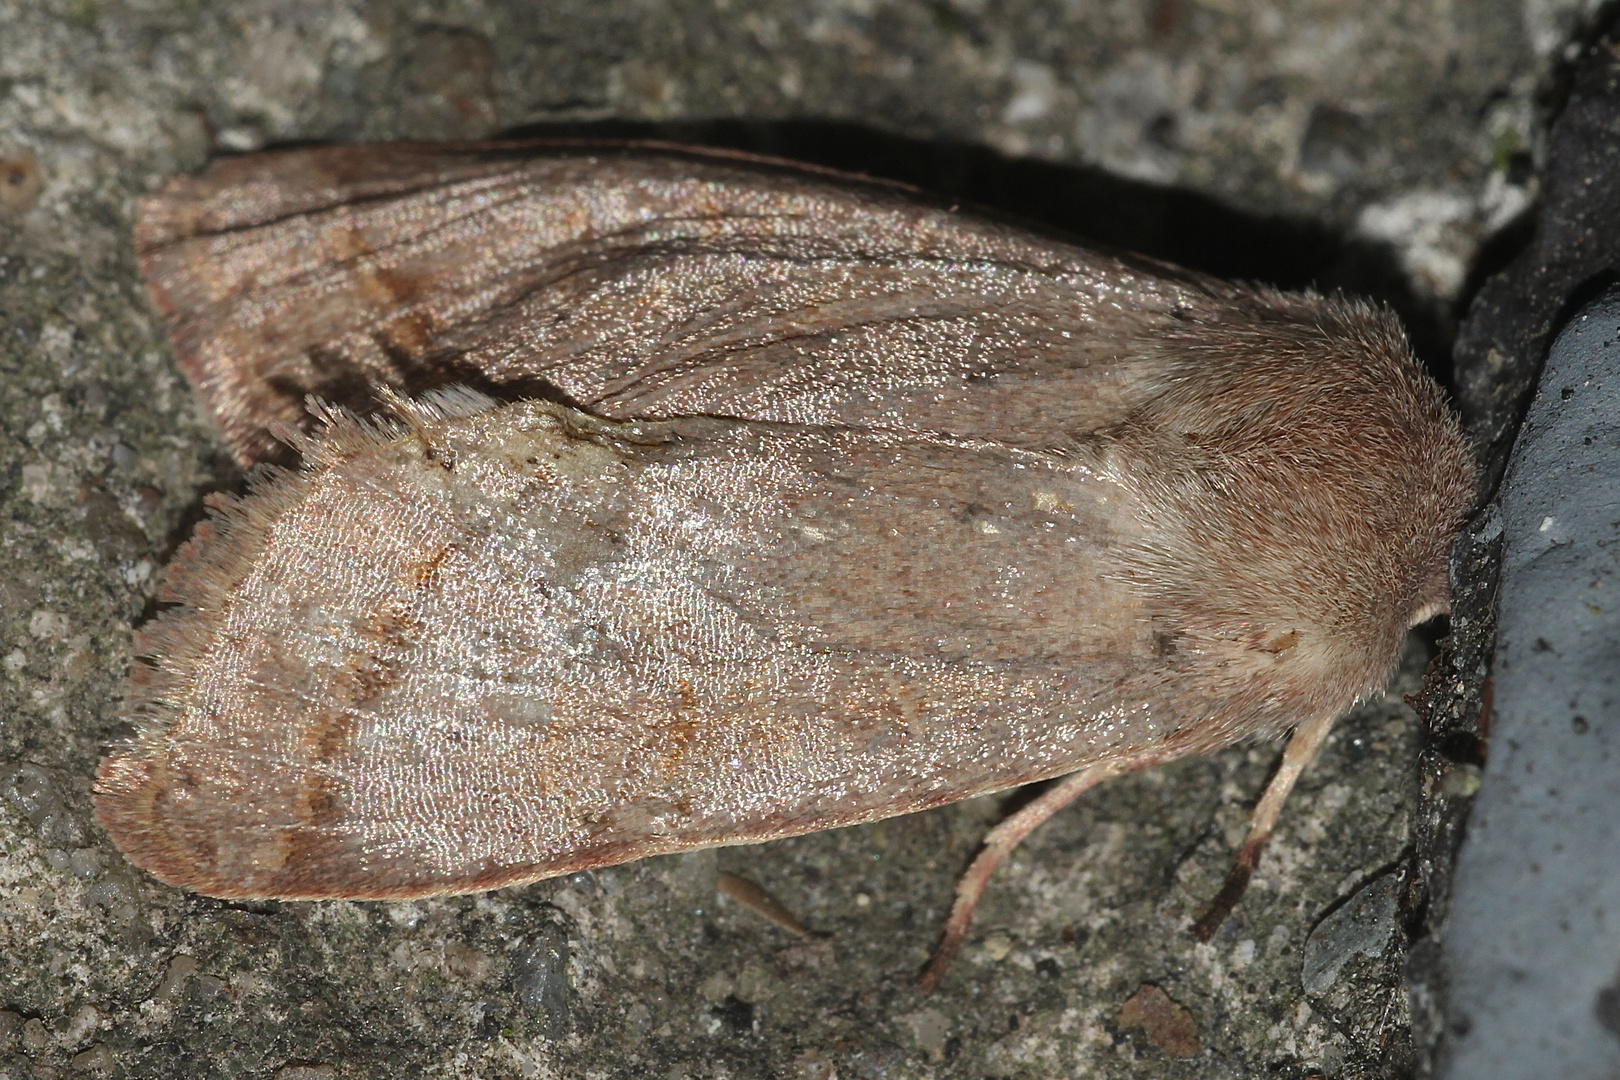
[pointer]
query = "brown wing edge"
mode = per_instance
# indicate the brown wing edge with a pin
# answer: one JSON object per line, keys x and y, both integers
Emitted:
{"x": 177, "y": 210}
{"x": 370, "y": 170}
{"x": 181, "y": 210}
{"x": 129, "y": 790}
{"x": 127, "y": 807}
{"x": 132, "y": 781}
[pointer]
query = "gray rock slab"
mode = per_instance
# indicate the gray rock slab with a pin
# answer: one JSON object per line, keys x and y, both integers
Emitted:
{"x": 1500, "y": 351}
{"x": 1533, "y": 948}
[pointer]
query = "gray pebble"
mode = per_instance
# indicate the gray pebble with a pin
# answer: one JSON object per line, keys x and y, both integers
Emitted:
{"x": 1362, "y": 925}
{"x": 541, "y": 976}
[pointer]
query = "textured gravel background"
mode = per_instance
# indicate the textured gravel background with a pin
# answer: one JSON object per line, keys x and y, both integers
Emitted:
{"x": 1377, "y": 144}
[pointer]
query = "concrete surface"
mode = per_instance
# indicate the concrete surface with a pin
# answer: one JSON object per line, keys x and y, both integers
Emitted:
{"x": 1399, "y": 133}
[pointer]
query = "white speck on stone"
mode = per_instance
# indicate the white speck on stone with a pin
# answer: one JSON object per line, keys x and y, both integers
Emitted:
{"x": 1035, "y": 90}
{"x": 1548, "y": 23}
{"x": 242, "y": 139}
{"x": 56, "y": 343}
{"x": 306, "y": 1072}
{"x": 1124, "y": 103}
{"x": 790, "y": 81}
{"x": 85, "y": 863}
{"x": 997, "y": 946}
{"x": 50, "y": 406}
{"x": 348, "y": 29}
{"x": 1502, "y": 201}
{"x": 1433, "y": 233}
{"x": 568, "y": 901}
{"x": 406, "y": 914}
{"x": 46, "y": 624}
{"x": 277, "y": 67}
{"x": 717, "y": 987}
{"x": 928, "y": 1029}
{"x": 97, "y": 1060}
{"x": 85, "y": 1020}
{"x": 36, "y": 478}
{"x": 527, "y": 1062}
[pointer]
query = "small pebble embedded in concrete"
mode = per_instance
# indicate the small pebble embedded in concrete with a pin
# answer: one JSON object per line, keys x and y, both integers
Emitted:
{"x": 1166, "y": 1024}
{"x": 541, "y": 975}
{"x": 34, "y": 1036}
{"x": 306, "y": 1072}
{"x": 21, "y": 181}
{"x": 997, "y": 946}
{"x": 97, "y": 1059}
{"x": 1363, "y": 924}
{"x": 928, "y": 1029}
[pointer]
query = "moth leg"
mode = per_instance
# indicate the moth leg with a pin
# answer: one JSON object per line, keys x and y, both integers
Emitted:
{"x": 997, "y": 843}
{"x": 1303, "y": 747}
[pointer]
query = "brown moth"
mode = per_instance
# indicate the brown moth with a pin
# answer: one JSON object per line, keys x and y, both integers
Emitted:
{"x": 785, "y": 501}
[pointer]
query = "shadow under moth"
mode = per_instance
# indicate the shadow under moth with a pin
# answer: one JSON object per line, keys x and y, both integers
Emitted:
{"x": 627, "y": 499}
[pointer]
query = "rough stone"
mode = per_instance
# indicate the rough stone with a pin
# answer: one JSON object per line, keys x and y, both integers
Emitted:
{"x": 1531, "y": 945}
{"x": 1363, "y": 926}
{"x": 1163, "y": 1022}
{"x": 1564, "y": 259}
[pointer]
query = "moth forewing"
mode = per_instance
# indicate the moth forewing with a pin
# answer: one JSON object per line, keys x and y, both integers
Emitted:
{"x": 572, "y": 642}
{"x": 637, "y": 281}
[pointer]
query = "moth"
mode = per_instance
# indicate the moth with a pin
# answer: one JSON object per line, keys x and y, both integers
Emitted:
{"x": 626, "y": 499}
